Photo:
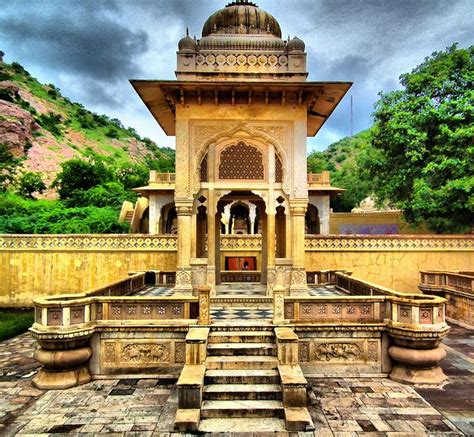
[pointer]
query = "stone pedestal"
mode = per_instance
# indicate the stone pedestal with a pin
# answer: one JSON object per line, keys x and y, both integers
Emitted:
{"x": 62, "y": 369}
{"x": 417, "y": 366}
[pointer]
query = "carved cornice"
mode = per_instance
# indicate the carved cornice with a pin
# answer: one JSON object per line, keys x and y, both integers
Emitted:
{"x": 102, "y": 242}
{"x": 391, "y": 243}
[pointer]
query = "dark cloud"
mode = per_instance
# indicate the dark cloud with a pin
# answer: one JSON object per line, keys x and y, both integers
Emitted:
{"x": 84, "y": 38}
{"x": 90, "y": 48}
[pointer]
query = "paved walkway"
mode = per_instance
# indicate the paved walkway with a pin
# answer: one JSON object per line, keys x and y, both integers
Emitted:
{"x": 142, "y": 407}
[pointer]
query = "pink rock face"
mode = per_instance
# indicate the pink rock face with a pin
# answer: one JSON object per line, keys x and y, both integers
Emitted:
{"x": 16, "y": 126}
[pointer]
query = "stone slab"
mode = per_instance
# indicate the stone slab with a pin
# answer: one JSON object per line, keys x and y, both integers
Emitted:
{"x": 192, "y": 375}
{"x": 197, "y": 335}
{"x": 291, "y": 374}
{"x": 187, "y": 420}
{"x": 286, "y": 334}
{"x": 298, "y": 419}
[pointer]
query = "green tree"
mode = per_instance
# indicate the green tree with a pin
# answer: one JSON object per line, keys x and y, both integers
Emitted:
{"x": 29, "y": 183}
{"x": 423, "y": 154}
{"x": 79, "y": 175}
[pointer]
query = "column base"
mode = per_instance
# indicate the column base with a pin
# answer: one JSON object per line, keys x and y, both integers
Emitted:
{"x": 58, "y": 380}
{"x": 211, "y": 279}
{"x": 183, "y": 286}
{"x": 298, "y": 286}
{"x": 408, "y": 375}
{"x": 417, "y": 366}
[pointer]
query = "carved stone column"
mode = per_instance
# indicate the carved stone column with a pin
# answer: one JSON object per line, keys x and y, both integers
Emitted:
{"x": 212, "y": 240}
{"x": 271, "y": 247}
{"x": 298, "y": 273}
{"x": 183, "y": 270}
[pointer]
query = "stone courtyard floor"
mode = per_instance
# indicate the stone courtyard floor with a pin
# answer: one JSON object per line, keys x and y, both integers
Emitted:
{"x": 142, "y": 407}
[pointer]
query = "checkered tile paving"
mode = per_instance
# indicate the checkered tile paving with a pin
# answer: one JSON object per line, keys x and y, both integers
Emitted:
{"x": 240, "y": 314}
{"x": 156, "y": 291}
{"x": 324, "y": 291}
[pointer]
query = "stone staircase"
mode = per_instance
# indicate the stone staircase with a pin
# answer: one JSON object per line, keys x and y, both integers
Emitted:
{"x": 242, "y": 385}
{"x": 241, "y": 379}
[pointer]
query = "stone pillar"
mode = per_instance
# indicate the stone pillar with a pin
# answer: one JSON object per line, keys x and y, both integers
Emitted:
{"x": 183, "y": 270}
{"x": 252, "y": 217}
{"x": 298, "y": 273}
{"x": 212, "y": 236}
{"x": 271, "y": 246}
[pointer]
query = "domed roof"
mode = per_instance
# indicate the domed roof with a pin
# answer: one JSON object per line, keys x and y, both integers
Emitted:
{"x": 187, "y": 43}
{"x": 241, "y": 17}
{"x": 296, "y": 44}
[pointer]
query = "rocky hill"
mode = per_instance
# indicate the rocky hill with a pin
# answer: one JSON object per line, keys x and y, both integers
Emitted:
{"x": 43, "y": 128}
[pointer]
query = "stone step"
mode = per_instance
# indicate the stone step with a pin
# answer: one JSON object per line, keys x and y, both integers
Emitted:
{"x": 241, "y": 337}
{"x": 242, "y": 408}
{"x": 242, "y": 391}
{"x": 242, "y": 376}
{"x": 232, "y": 349}
{"x": 243, "y": 425}
{"x": 243, "y": 362}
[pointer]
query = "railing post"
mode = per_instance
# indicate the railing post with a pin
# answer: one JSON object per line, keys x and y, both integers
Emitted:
{"x": 278, "y": 304}
{"x": 204, "y": 293}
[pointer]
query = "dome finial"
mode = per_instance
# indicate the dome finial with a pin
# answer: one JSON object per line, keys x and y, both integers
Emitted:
{"x": 187, "y": 31}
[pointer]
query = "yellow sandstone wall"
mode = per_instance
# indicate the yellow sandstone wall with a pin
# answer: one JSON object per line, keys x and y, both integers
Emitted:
{"x": 391, "y": 261}
{"x": 31, "y": 266}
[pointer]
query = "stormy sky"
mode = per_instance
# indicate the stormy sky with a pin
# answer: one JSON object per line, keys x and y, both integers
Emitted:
{"x": 91, "y": 48}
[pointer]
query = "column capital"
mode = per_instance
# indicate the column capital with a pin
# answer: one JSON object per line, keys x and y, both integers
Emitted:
{"x": 183, "y": 206}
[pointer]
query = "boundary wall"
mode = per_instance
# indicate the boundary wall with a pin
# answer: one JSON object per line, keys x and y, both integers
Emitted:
{"x": 37, "y": 265}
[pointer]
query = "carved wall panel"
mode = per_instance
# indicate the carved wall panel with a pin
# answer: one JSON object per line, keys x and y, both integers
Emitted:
{"x": 426, "y": 315}
{"x": 139, "y": 353}
{"x": 404, "y": 314}
{"x": 241, "y": 161}
{"x": 337, "y": 352}
{"x": 77, "y": 315}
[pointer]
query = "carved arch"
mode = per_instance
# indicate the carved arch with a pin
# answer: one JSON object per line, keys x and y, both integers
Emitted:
{"x": 239, "y": 132}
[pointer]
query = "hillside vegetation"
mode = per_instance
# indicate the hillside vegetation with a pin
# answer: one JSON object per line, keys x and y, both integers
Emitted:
{"x": 63, "y": 168}
{"x": 419, "y": 154}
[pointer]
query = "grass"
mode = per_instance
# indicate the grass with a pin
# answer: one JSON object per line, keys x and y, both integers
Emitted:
{"x": 14, "y": 322}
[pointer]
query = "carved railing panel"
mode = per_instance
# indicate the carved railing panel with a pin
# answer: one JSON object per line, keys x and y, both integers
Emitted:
{"x": 241, "y": 242}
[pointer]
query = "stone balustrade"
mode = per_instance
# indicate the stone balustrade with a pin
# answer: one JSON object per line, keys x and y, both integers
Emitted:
{"x": 456, "y": 287}
{"x": 162, "y": 178}
{"x": 405, "y": 329}
{"x": 65, "y": 326}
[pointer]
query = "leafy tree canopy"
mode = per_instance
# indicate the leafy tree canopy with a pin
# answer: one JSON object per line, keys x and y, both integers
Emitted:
{"x": 422, "y": 155}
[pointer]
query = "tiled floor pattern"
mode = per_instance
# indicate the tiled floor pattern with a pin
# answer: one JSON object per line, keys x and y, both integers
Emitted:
{"x": 144, "y": 407}
{"x": 228, "y": 313}
{"x": 156, "y": 291}
{"x": 314, "y": 290}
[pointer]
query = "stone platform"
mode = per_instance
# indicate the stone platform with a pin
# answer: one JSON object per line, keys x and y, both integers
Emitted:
{"x": 338, "y": 406}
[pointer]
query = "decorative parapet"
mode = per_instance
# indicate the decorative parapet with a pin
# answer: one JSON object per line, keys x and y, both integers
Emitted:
{"x": 457, "y": 281}
{"x": 111, "y": 242}
{"x": 456, "y": 287}
{"x": 241, "y": 242}
{"x": 415, "y": 322}
{"x": 162, "y": 178}
{"x": 390, "y": 243}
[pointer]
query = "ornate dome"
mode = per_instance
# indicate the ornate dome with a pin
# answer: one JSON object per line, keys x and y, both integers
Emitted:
{"x": 241, "y": 17}
{"x": 296, "y": 44}
{"x": 187, "y": 43}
